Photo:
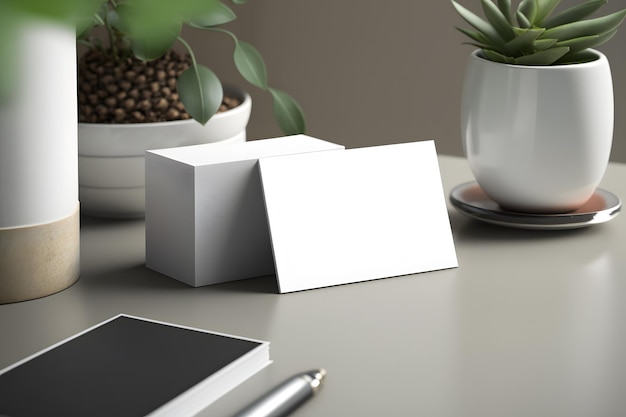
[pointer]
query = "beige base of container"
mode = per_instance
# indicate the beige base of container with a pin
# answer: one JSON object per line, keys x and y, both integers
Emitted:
{"x": 40, "y": 260}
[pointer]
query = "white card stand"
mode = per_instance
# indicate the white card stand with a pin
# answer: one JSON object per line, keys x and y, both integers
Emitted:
{"x": 362, "y": 214}
{"x": 205, "y": 215}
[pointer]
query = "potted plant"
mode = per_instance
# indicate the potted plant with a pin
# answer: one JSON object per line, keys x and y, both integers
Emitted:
{"x": 537, "y": 108}
{"x": 137, "y": 92}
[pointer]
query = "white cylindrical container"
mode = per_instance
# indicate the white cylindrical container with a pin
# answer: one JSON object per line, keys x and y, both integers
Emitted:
{"x": 538, "y": 138}
{"x": 39, "y": 210}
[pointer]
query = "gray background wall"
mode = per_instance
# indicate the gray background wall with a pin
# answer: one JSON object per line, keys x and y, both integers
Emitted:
{"x": 371, "y": 72}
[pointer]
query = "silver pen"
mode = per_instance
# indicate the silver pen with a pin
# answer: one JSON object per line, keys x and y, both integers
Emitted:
{"x": 286, "y": 397}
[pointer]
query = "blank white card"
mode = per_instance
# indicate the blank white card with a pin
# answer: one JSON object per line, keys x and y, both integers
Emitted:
{"x": 356, "y": 215}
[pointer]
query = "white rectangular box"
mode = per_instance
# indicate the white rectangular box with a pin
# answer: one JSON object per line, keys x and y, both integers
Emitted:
{"x": 205, "y": 213}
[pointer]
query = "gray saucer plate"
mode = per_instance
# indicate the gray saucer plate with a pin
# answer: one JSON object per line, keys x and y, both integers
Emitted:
{"x": 470, "y": 199}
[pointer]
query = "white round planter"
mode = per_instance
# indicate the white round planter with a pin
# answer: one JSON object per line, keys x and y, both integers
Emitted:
{"x": 538, "y": 138}
{"x": 111, "y": 157}
{"x": 39, "y": 214}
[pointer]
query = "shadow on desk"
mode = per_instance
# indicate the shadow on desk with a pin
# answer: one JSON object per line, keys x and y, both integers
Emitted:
{"x": 139, "y": 278}
{"x": 113, "y": 258}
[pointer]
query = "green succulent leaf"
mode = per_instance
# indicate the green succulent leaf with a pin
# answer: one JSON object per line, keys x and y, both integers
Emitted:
{"x": 586, "y": 42}
{"x": 529, "y": 9}
{"x": 477, "y": 45}
{"x": 287, "y": 112}
{"x": 522, "y": 20}
{"x": 542, "y": 44}
{"x": 546, "y": 57}
{"x": 482, "y": 26}
{"x": 250, "y": 64}
{"x": 544, "y": 9}
{"x": 577, "y": 58}
{"x": 477, "y": 36}
{"x": 201, "y": 92}
{"x": 575, "y": 13}
{"x": 498, "y": 20}
{"x": 597, "y": 26}
{"x": 240, "y": 1}
{"x": 497, "y": 56}
{"x": 524, "y": 41}
{"x": 505, "y": 9}
{"x": 215, "y": 14}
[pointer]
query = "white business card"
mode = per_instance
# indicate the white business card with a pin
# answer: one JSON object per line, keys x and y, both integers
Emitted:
{"x": 356, "y": 215}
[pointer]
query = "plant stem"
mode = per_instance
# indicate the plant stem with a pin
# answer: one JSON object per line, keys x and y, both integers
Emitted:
{"x": 229, "y": 33}
{"x": 111, "y": 34}
{"x": 194, "y": 64}
{"x": 190, "y": 51}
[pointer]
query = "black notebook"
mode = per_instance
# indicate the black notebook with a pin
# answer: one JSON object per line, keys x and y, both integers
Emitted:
{"x": 130, "y": 366}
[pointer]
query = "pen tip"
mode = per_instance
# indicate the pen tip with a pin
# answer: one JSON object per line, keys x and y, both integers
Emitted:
{"x": 315, "y": 378}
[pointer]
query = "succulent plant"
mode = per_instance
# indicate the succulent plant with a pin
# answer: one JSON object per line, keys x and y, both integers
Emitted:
{"x": 531, "y": 35}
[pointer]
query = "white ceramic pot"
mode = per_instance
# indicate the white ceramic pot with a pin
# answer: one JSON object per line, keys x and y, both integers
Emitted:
{"x": 538, "y": 138}
{"x": 39, "y": 214}
{"x": 111, "y": 157}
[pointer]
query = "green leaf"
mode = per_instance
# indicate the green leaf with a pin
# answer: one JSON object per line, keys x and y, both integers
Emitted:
{"x": 152, "y": 33}
{"x": 148, "y": 46}
{"x": 547, "y": 57}
{"x": 477, "y": 36}
{"x": 250, "y": 64}
{"x": 575, "y": 13}
{"x": 597, "y": 26}
{"x": 215, "y": 15}
{"x": 505, "y": 8}
{"x": 482, "y": 26}
{"x": 8, "y": 50}
{"x": 577, "y": 58}
{"x": 523, "y": 20}
{"x": 586, "y": 42}
{"x": 497, "y": 57}
{"x": 529, "y": 9}
{"x": 201, "y": 92}
{"x": 544, "y": 9}
{"x": 542, "y": 44}
{"x": 498, "y": 20}
{"x": 65, "y": 11}
{"x": 83, "y": 28}
{"x": 287, "y": 112}
{"x": 240, "y": 1}
{"x": 113, "y": 19}
{"x": 523, "y": 41}
{"x": 76, "y": 13}
{"x": 85, "y": 17}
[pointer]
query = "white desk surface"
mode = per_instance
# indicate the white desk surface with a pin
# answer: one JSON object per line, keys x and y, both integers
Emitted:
{"x": 532, "y": 323}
